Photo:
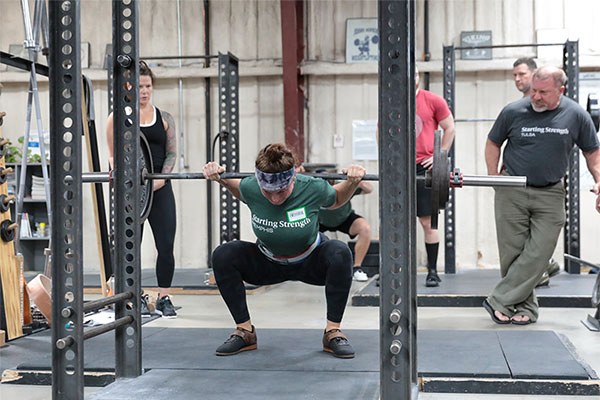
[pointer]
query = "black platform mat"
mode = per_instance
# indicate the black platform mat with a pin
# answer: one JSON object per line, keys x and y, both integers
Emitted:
{"x": 521, "y": 357}
{"x": 245, "y": 385}
{"x": 469, "y": 288}
{"x": 499, "y": 354}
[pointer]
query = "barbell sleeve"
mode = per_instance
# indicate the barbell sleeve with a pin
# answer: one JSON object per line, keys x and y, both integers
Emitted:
{"x": 494, "y": 180}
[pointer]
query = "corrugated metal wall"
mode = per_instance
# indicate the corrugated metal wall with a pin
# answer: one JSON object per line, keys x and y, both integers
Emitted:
{"x": 337, "y": 93}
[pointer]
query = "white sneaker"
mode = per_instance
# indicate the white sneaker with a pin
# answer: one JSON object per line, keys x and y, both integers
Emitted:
{"x": 359, "y": 275}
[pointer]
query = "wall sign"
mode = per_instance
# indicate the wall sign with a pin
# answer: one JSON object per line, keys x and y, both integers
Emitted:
{"x": 476, "y": 38}
{"x": 362, "y": 40}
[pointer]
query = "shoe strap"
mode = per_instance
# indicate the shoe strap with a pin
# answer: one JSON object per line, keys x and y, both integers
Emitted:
{"x": 245, "y": 334}
{"x": 333, "y": 334}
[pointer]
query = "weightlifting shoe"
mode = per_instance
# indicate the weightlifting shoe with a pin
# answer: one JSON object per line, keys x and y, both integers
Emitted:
{"x": 240, "y": 340}
{"x": 336, "y": 343}
{"x": 432, "y": 279}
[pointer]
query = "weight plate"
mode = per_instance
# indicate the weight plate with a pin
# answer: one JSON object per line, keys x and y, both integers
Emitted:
{"x": 440, "y": 177}
{"x": 145, "y": 165}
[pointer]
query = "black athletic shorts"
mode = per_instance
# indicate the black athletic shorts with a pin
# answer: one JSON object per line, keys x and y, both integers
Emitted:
{"x": 343, "y": 227}
{"x": 424, "y": 208}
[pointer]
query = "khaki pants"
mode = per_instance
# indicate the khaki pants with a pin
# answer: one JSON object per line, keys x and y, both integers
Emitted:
{"x": 528, "y": 223}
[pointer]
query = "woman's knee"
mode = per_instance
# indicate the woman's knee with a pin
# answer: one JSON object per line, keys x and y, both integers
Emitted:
{"x": 229, "y": 254}
{"x": 337, "y": 253}
{"x": 222, "y": 255}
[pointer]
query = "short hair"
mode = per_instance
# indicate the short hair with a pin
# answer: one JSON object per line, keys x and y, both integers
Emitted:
{"x": 275, "y": 157}
{"x": 529, "y": 61}
{"x": 549, "y": 72}
{"x": 146, "y": 71}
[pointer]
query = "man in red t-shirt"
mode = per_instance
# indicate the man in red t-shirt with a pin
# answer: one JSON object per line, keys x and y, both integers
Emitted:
{"x": 432, "y": 111}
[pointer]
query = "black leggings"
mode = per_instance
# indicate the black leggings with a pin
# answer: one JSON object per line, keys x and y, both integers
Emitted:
{"x": 163, "y": 222}
{"x": 329, "y": 265}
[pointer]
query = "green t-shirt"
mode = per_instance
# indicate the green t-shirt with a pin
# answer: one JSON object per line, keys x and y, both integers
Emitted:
{"x": 290, "y": 228}
{"x": 333, "y": 218}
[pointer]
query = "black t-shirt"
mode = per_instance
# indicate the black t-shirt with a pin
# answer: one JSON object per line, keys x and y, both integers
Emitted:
{"x": 539, "y": 143}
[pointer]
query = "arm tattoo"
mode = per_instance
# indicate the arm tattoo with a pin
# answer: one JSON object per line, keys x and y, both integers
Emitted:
{"x": 171, "y": 150}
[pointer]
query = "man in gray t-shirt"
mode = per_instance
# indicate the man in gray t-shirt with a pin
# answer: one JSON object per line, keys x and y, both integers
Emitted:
{"x": 540, "y": 132}
{"x": 523, "y": 69}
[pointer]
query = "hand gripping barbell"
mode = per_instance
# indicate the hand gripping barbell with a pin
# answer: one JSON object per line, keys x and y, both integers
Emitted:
{"x": 439, "y": 178}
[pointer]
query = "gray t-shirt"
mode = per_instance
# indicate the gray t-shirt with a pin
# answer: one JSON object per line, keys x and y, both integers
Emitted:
{"x": 539, "y": 143}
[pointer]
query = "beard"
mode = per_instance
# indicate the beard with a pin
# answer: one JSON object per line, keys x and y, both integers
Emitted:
{"x": 539, "y": 109}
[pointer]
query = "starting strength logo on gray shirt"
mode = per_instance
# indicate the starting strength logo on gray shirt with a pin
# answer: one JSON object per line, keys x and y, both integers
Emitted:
{"x": 535, "y": 130}
{"x": 539, "y": 143}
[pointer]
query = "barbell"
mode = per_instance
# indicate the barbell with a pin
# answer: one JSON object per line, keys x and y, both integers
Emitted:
{"x": 439, "y": 178}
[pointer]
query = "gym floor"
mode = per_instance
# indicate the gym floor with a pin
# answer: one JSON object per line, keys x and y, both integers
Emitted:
{"x": 297, "y": 306}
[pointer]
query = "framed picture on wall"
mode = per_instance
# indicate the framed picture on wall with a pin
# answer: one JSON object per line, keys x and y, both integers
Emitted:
{"x": 362, "y": 40}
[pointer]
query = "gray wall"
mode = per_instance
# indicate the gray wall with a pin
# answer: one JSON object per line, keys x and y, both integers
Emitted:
{"x": 337, "y": 93}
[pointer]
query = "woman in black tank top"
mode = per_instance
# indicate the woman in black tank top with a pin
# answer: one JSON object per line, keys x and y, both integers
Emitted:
{"x": 159, "y": 129}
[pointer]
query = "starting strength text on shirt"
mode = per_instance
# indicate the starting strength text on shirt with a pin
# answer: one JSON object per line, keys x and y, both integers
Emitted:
{"x": 532, "y": 131}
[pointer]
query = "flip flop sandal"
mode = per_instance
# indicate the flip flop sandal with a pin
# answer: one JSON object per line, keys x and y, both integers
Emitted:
{"x": 491, "y": 311}
{"x": 529, "y": 321}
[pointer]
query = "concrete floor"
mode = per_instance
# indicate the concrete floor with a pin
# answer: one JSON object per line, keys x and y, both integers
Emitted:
{"x": 298, "y": 306}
